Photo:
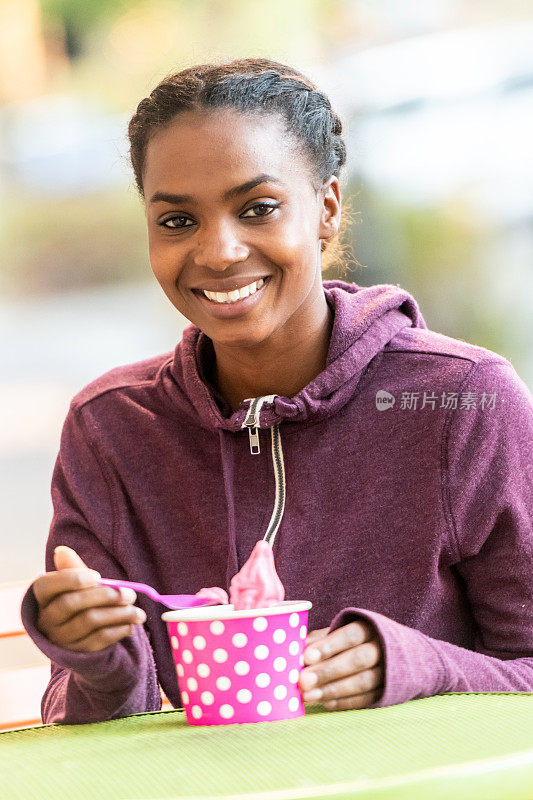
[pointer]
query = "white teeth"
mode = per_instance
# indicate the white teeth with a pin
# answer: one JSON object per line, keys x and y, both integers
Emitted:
{"x": 236, "y": 294}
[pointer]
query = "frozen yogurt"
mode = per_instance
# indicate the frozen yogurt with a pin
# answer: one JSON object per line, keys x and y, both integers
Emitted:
{"x": 256, "y": 585}
{"x": 214, "y": 592}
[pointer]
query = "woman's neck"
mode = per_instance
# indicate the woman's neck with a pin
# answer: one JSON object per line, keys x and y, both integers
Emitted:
{"x": 283, "y": 367}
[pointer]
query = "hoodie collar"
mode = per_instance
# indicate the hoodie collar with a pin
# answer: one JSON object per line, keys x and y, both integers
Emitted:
{"x": 365, "y": 319}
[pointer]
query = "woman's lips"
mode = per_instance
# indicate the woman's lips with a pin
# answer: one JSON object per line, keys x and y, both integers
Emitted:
{"x": 224, "y": 310}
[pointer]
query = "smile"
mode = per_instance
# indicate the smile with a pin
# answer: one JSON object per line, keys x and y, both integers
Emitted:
{"x": 235, "y": 295}
{"x": 224, "y": 305}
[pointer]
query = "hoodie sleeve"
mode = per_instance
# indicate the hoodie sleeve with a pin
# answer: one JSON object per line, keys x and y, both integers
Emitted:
{"x": 121, "y": 679}
{"x": 488, "y": 497}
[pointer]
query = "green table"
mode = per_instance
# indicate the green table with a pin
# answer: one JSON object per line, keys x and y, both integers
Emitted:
{"x": 463, "y": 745}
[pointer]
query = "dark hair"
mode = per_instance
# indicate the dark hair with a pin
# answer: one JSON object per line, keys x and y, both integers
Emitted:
{"x": 251, "y": 85}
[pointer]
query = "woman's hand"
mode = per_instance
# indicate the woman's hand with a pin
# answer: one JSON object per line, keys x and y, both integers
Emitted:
{"x": 78, "y": 613}
{"x": 347, "y": 667}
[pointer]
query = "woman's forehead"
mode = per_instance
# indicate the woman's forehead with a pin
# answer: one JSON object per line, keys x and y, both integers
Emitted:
{"x": 223, "y": 147}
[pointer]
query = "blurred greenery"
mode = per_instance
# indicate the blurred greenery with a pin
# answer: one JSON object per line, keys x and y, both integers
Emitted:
{"x": 437, "y": 253}
{"x": 85, "y": 14}
{"x": 127, "y": 47}
{"x": 72, "y": 244}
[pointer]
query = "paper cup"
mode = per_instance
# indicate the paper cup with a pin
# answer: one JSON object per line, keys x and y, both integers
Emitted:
{"x": 239, "y": 666}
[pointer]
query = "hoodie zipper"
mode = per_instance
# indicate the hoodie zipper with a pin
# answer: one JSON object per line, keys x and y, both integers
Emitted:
{"x": 252, "y": 422}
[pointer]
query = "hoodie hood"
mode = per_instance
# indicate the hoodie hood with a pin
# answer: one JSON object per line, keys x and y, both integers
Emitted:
{"x": 365, "y": 319}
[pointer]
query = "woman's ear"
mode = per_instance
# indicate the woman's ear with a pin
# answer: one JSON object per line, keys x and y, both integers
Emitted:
{"x": 330, "y": 211}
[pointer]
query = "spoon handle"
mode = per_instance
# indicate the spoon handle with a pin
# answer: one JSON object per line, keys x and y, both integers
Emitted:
{"x": 174, "y": 601}
{"x": 138, "y": 587}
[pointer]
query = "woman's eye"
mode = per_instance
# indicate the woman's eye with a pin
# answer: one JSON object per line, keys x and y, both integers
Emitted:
{"x": 271, "y": 206}
{"x": 172, "y": 223}
{"x": 164, "y": 223}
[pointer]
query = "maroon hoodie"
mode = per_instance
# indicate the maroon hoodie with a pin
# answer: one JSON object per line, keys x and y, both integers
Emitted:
{"x": 396, "y": 487}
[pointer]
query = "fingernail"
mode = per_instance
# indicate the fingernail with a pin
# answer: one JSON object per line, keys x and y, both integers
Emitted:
{"x": 128, "y": 595}
{"x": 90, "y": 576}
{"x": 313, "y": 655}
{"x": 140, "y": 614}
{"x": 308, "y": 679}
{"x": 314, "y": 694}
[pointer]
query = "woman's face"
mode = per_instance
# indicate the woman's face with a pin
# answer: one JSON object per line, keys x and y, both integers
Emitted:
{"x": 229, "y": 201}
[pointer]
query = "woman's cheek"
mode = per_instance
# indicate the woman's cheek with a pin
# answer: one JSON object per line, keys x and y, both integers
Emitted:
{"x": 164, "y": 261}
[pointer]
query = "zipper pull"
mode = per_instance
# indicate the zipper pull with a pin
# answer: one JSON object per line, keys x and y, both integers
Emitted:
{"x": 254, "y": 441}
{"x": 252, "y": 421}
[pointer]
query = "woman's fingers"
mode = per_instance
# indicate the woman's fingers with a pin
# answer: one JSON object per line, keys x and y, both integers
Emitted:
{"x": 101, "y": 638}
{"x": 360, "y": 683}
{"x": 52, "y": 584}
{"x": 67, "y": 558}
{"x": 345, "y": 664}
{"x": 85, "y": 616}
{"x": 314, "y": 636}
{"x": 338, "y": 641}
{"x": 357, "y": 701}
{"x": 90, "y": 621}
{"x": 67, "y": 605}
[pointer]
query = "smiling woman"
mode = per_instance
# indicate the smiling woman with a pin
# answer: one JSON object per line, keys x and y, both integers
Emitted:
{"x": 406, "y": 523}
{"x": 238, "y": 167}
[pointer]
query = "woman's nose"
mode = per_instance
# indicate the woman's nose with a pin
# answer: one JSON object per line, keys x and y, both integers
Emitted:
{"x": 218, "y": 249}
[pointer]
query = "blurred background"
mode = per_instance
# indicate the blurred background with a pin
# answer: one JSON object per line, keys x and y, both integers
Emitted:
{"x": 437, "y": 104}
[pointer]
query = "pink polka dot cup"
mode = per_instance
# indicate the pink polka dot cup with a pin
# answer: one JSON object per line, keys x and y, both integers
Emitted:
{"x": 239, "y": 666}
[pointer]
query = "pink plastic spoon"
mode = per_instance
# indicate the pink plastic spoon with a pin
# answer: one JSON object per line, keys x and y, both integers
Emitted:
{"x": 174, "y": 601}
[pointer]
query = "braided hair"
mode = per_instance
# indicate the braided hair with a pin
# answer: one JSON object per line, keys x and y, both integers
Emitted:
{"x": 250, "y": 85}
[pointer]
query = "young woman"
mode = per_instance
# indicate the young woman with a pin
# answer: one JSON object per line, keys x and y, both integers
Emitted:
{"x": 388, "y": 465}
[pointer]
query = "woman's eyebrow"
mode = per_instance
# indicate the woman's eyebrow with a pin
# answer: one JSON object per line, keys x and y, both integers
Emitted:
{"x": 167, "y": 197}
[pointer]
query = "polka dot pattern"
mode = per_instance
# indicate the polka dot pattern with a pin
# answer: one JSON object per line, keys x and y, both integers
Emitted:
{"x": 261, "y": 652}
{"x": 217, "y": 627}
{"x": 240, "y": 669}
{"x": 244, "y": 695}
{"x": 280, "y": 692}
{"x": 294, "y": 648}
{"x": 220, "y": 655}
